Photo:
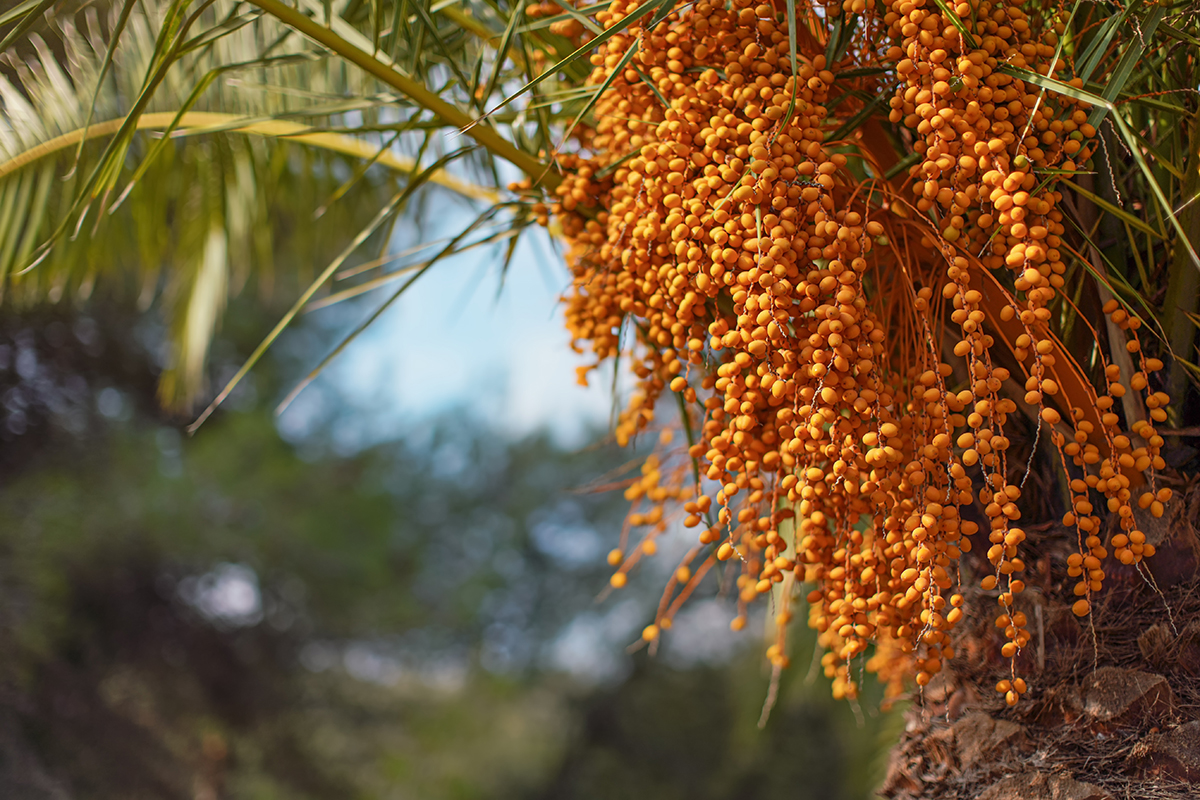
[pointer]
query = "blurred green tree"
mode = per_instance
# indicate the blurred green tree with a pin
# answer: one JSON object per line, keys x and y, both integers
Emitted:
{"x": 219, "y": 617}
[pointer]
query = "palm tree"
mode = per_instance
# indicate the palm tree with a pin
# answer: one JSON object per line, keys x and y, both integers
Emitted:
{"x": 109, "y": 110}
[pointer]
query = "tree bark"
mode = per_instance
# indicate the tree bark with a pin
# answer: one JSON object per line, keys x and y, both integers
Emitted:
{"x": 1113, "y": 709}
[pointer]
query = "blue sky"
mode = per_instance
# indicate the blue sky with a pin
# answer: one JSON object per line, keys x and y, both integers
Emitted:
{"x": 457, "y": 340}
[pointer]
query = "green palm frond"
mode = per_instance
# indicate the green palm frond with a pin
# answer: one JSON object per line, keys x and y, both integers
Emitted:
{"x": 201, "y": 207}
{"x": 158, "y": 129}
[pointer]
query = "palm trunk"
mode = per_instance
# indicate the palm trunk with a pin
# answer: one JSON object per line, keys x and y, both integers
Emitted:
{"x": 1113, "y": 710}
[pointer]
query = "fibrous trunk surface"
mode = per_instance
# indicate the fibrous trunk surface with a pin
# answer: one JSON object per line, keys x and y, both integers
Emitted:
{"x": 1113, "y": 711}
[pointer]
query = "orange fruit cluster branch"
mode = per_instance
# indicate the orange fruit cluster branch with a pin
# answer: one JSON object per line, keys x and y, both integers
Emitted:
{"x": 839, "y": 339}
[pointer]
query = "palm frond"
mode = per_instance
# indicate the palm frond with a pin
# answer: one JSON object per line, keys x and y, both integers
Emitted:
{"x": 192, "y": 182}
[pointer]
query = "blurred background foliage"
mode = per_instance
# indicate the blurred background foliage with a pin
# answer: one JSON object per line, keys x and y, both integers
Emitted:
{"x": 236, "y": 615}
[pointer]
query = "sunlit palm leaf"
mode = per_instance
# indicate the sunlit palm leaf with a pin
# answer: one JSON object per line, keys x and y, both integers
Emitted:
{"x": 199, "y": 211}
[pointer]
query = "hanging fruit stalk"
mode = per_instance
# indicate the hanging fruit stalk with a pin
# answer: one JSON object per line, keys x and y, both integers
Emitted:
{"x": 797, "y": 302}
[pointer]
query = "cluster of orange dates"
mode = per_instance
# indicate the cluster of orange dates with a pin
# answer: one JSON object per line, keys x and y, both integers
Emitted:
{"x": 800, "y": 305}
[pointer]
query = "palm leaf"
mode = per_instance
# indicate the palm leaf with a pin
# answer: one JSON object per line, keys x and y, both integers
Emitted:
{"x": 58, "y": 124}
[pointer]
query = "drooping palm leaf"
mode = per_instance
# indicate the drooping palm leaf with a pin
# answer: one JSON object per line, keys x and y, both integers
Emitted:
{"x": 194, "y": 201}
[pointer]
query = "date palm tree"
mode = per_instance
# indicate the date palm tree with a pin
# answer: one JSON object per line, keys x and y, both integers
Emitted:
{"x": 164, "y": 130}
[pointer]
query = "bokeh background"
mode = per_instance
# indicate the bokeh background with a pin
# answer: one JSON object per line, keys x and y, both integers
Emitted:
{"x": 394, "y": 589}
